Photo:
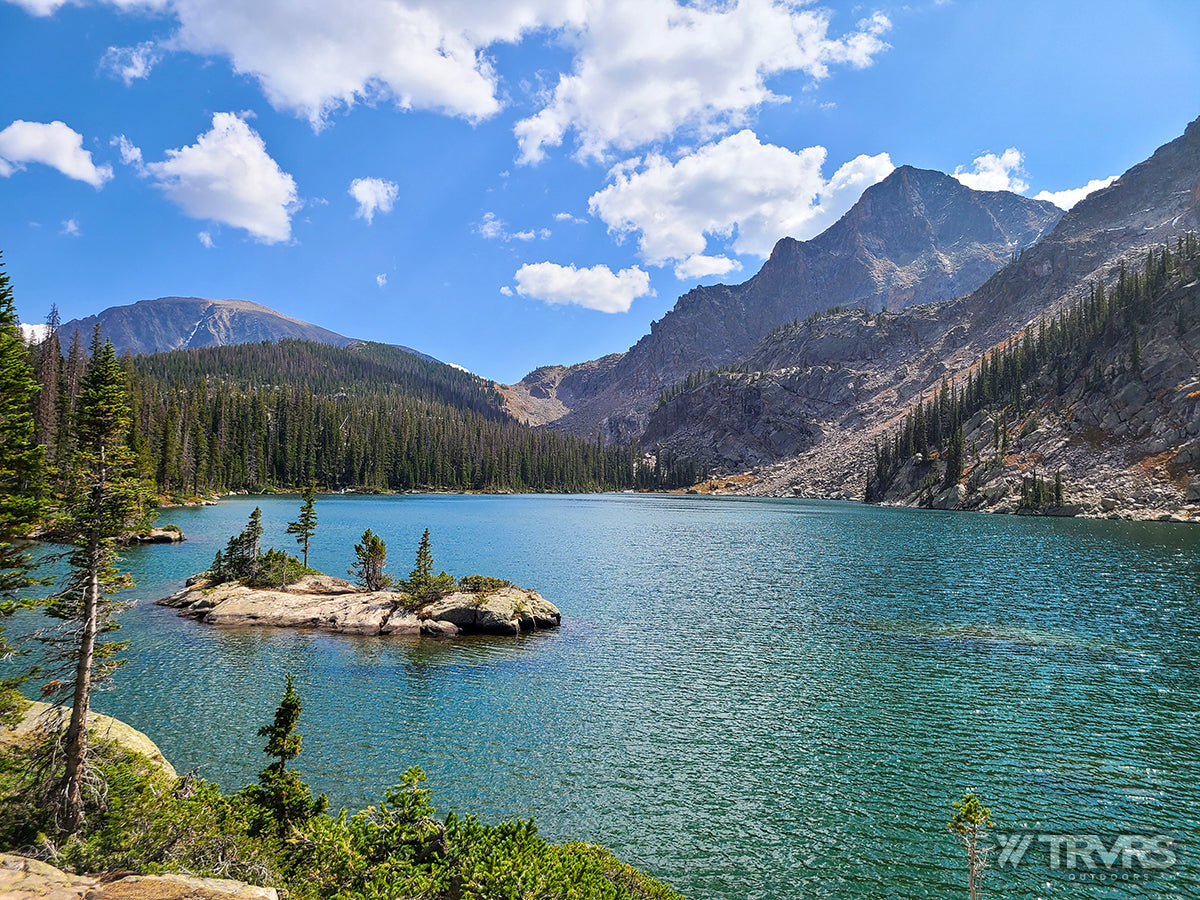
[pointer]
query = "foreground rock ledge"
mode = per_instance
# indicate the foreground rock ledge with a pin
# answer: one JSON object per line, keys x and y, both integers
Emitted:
{"x": 333, "y": 604}
{"x": 27, "y": 879}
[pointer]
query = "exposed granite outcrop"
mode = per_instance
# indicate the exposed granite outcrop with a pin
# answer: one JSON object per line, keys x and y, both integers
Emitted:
{"x": 99, "y": 726}
{"x": 333, "y": 604}
{"x": 22, "y": 878}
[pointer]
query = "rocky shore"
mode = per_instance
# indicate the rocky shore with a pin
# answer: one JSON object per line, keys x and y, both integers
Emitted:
{"x": 22, "y": 878}
{"x": 334, "y": 604}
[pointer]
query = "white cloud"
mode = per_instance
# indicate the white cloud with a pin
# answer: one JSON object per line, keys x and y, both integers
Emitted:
{"x": 1068, "y": 198}
{"x": 373, "y": 195}
{"x": 313, "y": 58}
{"x": 743, "y": 193}
{"x": 700, "y": 265}
{"x": 492, "y": 228}
{"x": 996, "y": 173}
{"x": 70, "y": 227}
{"x": 647, "y": 69}
{"x": 205, "y": 238}
{"x": 132, "y": 63}
{"x": 53, "y": 144}
{"x": 381, "y": 279}
{"x": 40, "y": 7}
{"x": 228, "y": 176}
{"x": 131, "y": 154}
{"x": 506, "y": 291}
{"x": 567, "y": 217}
{"x": 593, "y": 288}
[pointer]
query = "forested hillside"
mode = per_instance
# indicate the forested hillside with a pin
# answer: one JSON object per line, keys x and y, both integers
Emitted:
{"x": 1113, "y": 368}
{"x": 365, "y": 417}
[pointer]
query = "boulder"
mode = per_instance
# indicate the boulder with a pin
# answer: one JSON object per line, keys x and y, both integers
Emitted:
{"x": 166, "y": 535}
{"x": 30, "y": 879}
{"x": 950, "y": 498}
{"x": 509, "y": 610}
{"x": 99, "y": 726}
{"x": 1193, "y": 490}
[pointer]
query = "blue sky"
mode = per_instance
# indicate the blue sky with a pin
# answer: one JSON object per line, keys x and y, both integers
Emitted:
{"x": 508, "y": 185}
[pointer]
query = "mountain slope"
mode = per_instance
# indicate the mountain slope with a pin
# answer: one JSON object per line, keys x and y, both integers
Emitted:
{"x": 918, "y": 236}
{"x": 178, "y": 323}
{"x": 824, "y": 391}
{"x": 181, "y": 323}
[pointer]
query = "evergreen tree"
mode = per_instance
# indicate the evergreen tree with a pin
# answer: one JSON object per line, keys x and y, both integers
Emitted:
{"x": 281, "y": 796}
{"x": 304, "y": 526}
{"x": 20, "y": 468}
{"x": 370, "y": 556}
{"x": 954, "y": 458}
{"x": 971, "y": 821}
{"x": 420, "y": 579}
{"x": 242, "y": 558}
{"x": 106, "y": 497}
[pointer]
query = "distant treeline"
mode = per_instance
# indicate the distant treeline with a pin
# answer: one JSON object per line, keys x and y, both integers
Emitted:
{"x": 1042, "y": 363}
{"x": 370, "y": 416}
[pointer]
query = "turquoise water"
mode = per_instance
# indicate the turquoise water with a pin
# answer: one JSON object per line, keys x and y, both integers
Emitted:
{"x": 748, "y": 698}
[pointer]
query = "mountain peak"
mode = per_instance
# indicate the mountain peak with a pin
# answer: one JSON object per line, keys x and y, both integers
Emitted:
{"x": 179, "y": 323}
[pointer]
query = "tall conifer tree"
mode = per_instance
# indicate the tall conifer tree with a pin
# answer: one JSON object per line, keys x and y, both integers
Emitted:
{"x": 106, "y": 497}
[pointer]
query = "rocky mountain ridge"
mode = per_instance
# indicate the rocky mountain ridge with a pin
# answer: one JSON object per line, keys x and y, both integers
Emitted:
{"x": 817, "y": 397}
{"x": 180, "y": 323}
{"x": 918, "y": 236}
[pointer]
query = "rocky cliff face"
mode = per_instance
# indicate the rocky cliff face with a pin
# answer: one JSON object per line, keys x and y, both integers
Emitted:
{"x": 916, "y": 237}
{"x": 842, "y": 381}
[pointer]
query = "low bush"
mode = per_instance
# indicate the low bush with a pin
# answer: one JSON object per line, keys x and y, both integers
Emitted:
{"x": 478, "y": 584}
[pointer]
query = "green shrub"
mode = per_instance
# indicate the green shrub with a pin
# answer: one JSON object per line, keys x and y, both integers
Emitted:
{"x": 275, "y": 833}
{"x": 277, "y": 569}
{"x": 479, "y": 584}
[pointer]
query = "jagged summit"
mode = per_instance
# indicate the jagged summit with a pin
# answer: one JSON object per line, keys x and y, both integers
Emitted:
{"x": 918, "y": 236}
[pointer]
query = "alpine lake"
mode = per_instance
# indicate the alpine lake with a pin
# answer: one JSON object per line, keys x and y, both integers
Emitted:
{"x": 748, "y": 698}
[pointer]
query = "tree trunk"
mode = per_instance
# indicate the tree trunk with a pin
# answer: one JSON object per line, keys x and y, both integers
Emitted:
{"x": 76, "y": 740}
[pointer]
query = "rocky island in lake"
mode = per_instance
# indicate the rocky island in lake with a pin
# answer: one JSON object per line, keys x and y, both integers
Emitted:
{"x": 245, "y": 586}
{"x": 334, "y": 604}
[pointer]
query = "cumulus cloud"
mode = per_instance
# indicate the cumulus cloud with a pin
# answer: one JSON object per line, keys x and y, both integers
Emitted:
{"x": 592, "y": 288}
{"x": 317, "y": 57}
{"x": 739, "y": 191}
{"x": 1068, "y": 198}
{"x": 205, "y": 238}
{"x": 647, "y": 69}
{"x": 642, "y": 70}
{"x": 699, "y": 265}
{"x": 373, "y": 195}
{"x": 70, "y": 227}
{"x": 53, "y": 144}
{"x": 990, "y": 172}
{"x": 40, "y": 7}
{"x": 506, "y": 291}
{"x": 131, "y": 154}
{"x": 492, "y": 228}
{"x": 131, "y": 63}
{"x": 228, "y": 176}
{"x": 567, "y": 217}
{"x": 381, "y": 279}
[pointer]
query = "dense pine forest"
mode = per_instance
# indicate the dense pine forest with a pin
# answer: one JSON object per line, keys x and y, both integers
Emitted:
{"x": 1041, "y": 365}
{"x": 366, "y": 417}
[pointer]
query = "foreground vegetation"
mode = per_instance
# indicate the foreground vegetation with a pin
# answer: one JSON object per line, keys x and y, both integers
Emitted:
{"x": 78, "y": 454}
{"x": 275, "y": 833}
